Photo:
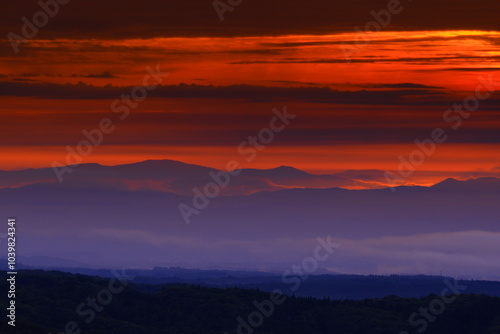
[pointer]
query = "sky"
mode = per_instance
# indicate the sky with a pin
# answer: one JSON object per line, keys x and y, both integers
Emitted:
{"x": 226, "y": 77}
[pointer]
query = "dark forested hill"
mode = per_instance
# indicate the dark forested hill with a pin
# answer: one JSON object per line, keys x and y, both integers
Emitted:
{"x": 55, "y": 302}
{"x": 333, "y": 286}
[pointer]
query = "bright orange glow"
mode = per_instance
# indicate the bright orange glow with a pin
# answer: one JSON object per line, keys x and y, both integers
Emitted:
{"x": 444, "y": 65}
{"x": 388, "y": 57}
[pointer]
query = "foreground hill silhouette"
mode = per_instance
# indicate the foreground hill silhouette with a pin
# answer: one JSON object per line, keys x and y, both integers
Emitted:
{"x": 333, "y": 286}
{"x": 47, "y": 302}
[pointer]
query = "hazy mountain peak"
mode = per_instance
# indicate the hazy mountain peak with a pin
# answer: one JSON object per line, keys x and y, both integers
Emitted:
{"x": 289, "y": 170}
{"x": 482, "y": 183}
{"x": 157, "y": 162}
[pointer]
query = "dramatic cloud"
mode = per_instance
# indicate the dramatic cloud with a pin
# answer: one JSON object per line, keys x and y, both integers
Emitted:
{"x": 251, "y": 93}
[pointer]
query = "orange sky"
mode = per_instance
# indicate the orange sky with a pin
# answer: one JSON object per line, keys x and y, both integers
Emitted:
{"x": 389, "y": 57}
{"x": 403, "y": 83}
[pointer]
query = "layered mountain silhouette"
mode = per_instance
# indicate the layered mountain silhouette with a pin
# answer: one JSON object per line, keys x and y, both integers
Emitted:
{"x": 97, "y": 218}
{"x": 180, "y": 178}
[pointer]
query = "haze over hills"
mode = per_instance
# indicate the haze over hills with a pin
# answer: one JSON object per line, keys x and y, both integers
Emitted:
{"x": 93, "y": 218}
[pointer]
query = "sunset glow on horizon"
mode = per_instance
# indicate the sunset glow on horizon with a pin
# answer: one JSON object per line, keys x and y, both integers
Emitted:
{"x": 405, "y": 81}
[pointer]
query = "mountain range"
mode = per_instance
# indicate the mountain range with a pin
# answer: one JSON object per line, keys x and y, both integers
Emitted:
{"x": 179, "y": 178}
{"x": 129, "y": 215}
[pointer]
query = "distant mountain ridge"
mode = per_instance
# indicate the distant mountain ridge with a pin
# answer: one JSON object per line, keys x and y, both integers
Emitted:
{"x": 180, "y": 178}
{"x": 479, "y": 184}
